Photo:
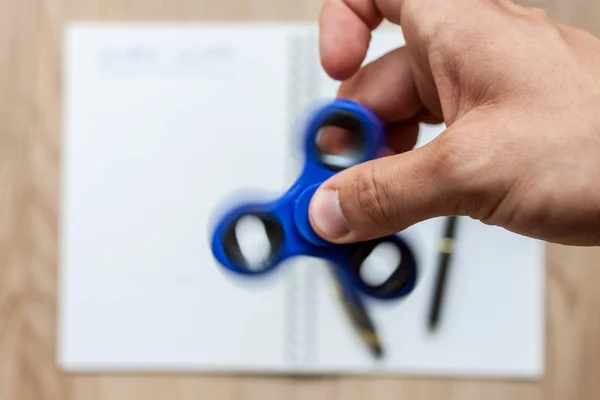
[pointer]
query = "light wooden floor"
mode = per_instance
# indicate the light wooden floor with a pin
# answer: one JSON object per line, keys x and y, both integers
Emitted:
{"x": 30, "y": 33}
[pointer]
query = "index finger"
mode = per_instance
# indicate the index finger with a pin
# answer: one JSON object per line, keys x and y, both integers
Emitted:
{"x": 345, "y": 32}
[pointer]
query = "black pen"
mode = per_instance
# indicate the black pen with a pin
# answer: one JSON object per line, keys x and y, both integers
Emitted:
{"x": 445, "y": 255}
{"x": 357, "y": 313}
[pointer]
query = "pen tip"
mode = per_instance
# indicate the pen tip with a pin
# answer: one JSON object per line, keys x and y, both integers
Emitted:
{"x": 378, "y": 351}
{"x": 433, "y": 323}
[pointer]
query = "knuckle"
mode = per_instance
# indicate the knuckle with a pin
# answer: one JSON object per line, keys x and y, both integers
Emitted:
{"x": 466, "y": 173}
{"x": 370, "y": 194}
{"x": 453, "y": 155}
{"x": 539, "y": 14}
{"x": 451, "y": 45}
{"x": 430, "y": 29}
{"x": 543, "y": 22}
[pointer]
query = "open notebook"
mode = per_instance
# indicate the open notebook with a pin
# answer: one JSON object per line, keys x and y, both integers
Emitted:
{"x": 163, "y": 122}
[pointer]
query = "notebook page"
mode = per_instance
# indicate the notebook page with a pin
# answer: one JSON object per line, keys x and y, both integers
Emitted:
{"x": 132, "y": 296}
{"x": 162, "y": 123}
{"x": 492, "y": 324}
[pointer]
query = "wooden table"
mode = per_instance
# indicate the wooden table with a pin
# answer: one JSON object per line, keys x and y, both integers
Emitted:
{"x": 30, "y": 97}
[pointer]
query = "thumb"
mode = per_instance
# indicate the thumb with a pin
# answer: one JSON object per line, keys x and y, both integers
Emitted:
{"x": 386, "y": 195}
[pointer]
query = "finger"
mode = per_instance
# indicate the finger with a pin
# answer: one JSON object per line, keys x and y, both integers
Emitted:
{"x": 376, "y": 198}
{"x": 402, "y": 136}
{"x": 345, "y": 32}
{"x": 429, "y": 117}
{"x": 386, "y": 195}
{"x": 386, "y": 86}
{"x": 334, "y": 140}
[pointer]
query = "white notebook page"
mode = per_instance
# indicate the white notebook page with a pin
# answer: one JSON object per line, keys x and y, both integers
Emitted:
{"x": 161, "y": 125}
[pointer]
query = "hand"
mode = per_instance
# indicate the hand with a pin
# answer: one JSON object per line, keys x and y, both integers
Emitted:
{"x": 520, "y": 96}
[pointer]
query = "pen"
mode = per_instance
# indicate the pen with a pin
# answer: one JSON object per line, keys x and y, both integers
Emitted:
{"x": 357, "y": 313}
{"x": 445, "y": 255}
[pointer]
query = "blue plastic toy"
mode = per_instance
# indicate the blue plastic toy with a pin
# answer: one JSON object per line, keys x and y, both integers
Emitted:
{"x": 286, "y": 221}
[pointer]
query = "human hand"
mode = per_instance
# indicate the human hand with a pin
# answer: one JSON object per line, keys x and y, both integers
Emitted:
{"x": 520, "y": 96}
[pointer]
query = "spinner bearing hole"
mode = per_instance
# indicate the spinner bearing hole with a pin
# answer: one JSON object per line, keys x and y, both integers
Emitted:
{"x": 380, "y": 264}
{"x": 341, "y": 141}
{"x": 253, "y": 240}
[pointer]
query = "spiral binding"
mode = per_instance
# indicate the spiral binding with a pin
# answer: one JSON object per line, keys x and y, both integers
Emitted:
{"x": 300, "y": 303}
{"x": 311, "y": 306}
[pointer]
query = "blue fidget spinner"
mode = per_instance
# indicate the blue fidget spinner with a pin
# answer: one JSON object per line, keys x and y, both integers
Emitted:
{"x": 285, "y": 220}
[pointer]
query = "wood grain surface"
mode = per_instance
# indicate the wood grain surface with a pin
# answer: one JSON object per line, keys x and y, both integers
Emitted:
{"x": 30, "y": 156}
